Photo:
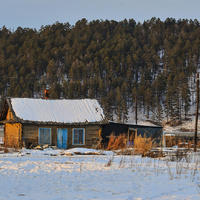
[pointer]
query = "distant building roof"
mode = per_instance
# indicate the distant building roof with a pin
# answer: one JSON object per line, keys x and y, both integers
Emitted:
{"x": 136, "y": 125}
{"x": 180, "y": 133}
{"x": 57, "y": 111}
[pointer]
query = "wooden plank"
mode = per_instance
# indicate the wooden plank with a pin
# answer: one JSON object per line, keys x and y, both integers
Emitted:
{"x": 13, "y": 135}
{"x": 9, "y": 115}
{"x": 30, "y": 132}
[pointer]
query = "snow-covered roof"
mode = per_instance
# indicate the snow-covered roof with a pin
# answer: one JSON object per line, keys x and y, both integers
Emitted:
{"x": 57, "y": 111}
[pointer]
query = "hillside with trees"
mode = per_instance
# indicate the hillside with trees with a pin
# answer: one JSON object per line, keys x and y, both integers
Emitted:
{"x": 150, "y": 65}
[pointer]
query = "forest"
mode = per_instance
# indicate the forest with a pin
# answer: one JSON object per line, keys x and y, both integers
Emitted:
{"x": 148, "y": 67}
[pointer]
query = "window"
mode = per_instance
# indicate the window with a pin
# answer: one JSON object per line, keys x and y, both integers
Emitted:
{"x": 44, "y": 135}
{"x": 78, "y": 136}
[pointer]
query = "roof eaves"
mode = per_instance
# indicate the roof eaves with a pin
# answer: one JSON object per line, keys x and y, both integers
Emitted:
{"x": 61, "y": 123}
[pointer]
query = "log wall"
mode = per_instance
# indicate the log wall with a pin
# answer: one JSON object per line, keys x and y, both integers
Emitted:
{"x": 30, "y": 134}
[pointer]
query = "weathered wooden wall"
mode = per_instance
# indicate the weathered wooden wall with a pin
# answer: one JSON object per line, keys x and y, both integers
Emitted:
{"x": 12, "y": 132}
{"x": 91, "y": 136}
{"x": 9, "y": 115}
{"x": 30, "y": 134}
{"x": 12, "y": 137}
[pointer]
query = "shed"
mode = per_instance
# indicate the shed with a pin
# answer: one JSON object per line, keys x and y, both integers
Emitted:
{"x": 129, "y": 130}
{"x": 64, "y": 123}
{"x": 177, "y": 137}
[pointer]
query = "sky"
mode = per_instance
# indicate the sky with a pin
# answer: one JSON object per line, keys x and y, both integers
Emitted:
{"x": 35, "y": 13}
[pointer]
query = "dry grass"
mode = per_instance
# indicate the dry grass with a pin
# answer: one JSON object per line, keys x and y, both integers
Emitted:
{"x": 186, "y": 143}
{"x": 117, "y": 142}
{"x": 170, "y": 141}
{"x": 110, "y": 161}
{"x": 142, "y": 145}
{"x": 6, "y": 150}
{"x": 181, "y": 142}
{"x": 111, "y": 142}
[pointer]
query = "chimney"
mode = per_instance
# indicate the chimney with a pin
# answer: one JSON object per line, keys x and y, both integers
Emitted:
{"x": 46, "y": 94}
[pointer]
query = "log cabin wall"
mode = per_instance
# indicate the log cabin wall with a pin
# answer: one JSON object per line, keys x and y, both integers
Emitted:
{"x": 91, "y": 136}
{"x": 30, "y": 134}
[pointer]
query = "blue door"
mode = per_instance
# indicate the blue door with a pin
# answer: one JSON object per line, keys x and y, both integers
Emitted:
{"x": 62, "y": 138}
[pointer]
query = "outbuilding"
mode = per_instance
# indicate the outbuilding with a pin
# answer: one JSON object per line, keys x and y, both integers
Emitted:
{"x": 129, "y": 130}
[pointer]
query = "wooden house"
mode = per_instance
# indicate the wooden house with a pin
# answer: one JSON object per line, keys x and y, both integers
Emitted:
{"x": 62, "y": 123}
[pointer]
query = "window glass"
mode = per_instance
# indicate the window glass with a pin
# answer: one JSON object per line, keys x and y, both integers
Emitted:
{"x": 78, "y": 135}
{"x": 44, "y": 136}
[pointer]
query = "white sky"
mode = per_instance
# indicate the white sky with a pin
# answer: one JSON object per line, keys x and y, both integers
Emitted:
{"x": 34, "y": 13}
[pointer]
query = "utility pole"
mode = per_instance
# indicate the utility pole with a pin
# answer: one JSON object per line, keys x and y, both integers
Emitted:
{"x": 197, "y": 113}
{"x": 136, "y": 98}
{"x": 136, "y": 117}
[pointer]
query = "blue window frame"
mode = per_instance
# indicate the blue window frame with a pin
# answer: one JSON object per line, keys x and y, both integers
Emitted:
{"x": 78, "y": 137}
{"x": 44, "y": 136}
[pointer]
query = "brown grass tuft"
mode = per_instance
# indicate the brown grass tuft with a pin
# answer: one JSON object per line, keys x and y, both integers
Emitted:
{"x": 142, "y": 145}
{"x": 119, "y": 142}
{"x": 170, "y": 141}
{"x": 111, "y": 142}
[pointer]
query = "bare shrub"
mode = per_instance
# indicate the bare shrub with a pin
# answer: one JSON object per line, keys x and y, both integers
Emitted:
{"x": 179, "y": 155}
{"x": 170, "y": 141}
{"x": 190, "y": 145}
{"x": 122, "y": 162}
{"x": 179, "y": 168}
{"x": 194, "y": 172}
{"x": 80, "y": 168}
{"x": 128, "y": 151}
{"x": 155, "y": 154}
{"x": 6, "y": 150}
{"x": 109, "y": 163}
{"x": 169, "y": 171}
{"x": 142, "y": 145}
{"x": 111, "y": 142}
{"x": 119, "y": 142}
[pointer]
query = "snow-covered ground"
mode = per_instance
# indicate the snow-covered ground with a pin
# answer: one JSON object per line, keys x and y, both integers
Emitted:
{"x": 54, "y": 175}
